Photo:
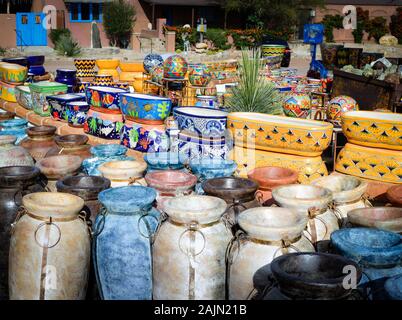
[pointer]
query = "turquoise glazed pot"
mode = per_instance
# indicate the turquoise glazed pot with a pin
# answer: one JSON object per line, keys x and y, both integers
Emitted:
{"x": 14, "y": 127}
{"x": 163, "y": 161}
{"x": 122, "y": 243}
{"x": 175, "y": 67}
{"x": 143, "y": 106}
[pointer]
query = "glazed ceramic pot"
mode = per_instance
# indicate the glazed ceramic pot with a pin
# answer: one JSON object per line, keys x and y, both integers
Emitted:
{"x": 13, "y": 73}
{"x": 207, "y": 101}
{"x": 104, "y": 97}
{"x": 57, "y": 167}
{"x": 23, "y": 96}
{"x": 104, "y": 80}
{"x": 35, "y": 65}
{"x": 163, "y": 161}
{"x": 108, "y": 67}
{"x": 194, "y": 230}
{"x": 14, "y": 127}
{"x": 102, "y": 153}
{"x": 57, "y": 105}
{"x": 175, "y": 67}
{"x": 268, "y": 178}
{"x": 49, "y": 235}
{"x": 6, "y": 115}
{"x": 145, "y": 106}
{"x": 12, "y": 155}
{"x": 373, "y": 129}
{"x": 8, "y": 92}
{"x": 393, "y": 287}
{"x": 83, "y": 85}
{"x": 39, "y": 92}
{"x": 123, "y": 173}
{"x": 122, "y": 85}
{"x": 15, "y": 182}
{"x": 121, "y": 245}
{"x": 199, "y": 75}
{"x": 268, "y": 50}
{"x": 71, "y": 144}
{"x": 143, "y": 137}
{"x": 385, "y": 218}
{"x": 201, "y": 121}
{"x": 68, "y": 77}
{"x": 378, "y": 252}
{"x": 313, "y": 276}
{"x": 157, "y": 75}
{"x": 268, "y": 233}
{"x": 280, "y": 134}
{"x": 151, "y": 61}
{"x": 297, "y": 106}
{"x": 76, "y": 113}
{"x": 394, "y": 195}
{"x": 338, "y": 106}
{"x": 102, "y": 124}
{"x": 22, "y": 61}
{"x": 312, "y": 202}
{"x": 370, "y": 163}
{"x": 39, "y": 141}
{"x": 134, "y": 79}
{"x": 87, "y": 188}
{"x": 131, "y": 66}
{"x": 85, "y": 67}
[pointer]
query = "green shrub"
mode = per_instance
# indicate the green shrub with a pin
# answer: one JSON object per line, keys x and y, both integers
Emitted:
{"x": 218, "y": 37}
{"x": 55, "y": 34}
{"x": 2, "y": 51}
{"x": 330, "y": 23}
{"x": 396, "y": 24}
{"x": 377, "y": 28}
{"x": 66, "y": 46}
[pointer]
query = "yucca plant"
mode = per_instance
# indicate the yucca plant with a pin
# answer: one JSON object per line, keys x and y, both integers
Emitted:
{"x": 254, "y": 92}
{"x": 66, "y": 46}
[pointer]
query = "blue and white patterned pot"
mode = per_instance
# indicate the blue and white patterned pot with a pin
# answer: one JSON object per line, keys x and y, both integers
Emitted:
{"x": 151, "y": 61}
{"x": 163, "y": 161}
{"x": 57, "y": 105}
{"x": 145, "y": 106}
{"x": 122, "y": 243}
{"x": 201, "y": 121}
{"x": 77, "y": 113}
{"x": 104, "y": 97}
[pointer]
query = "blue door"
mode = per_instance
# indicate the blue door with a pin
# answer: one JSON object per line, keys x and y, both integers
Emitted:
{"x": 30, "y": 30}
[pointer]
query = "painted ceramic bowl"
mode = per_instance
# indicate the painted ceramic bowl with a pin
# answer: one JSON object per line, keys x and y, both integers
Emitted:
{"x": 297, "y": 106}
{"x": 157, "y": 74}
{"x": 58, "y": 105}
{"x": 206, "y": 168}
{"x": 104, "y": 97}
{"x": 144, "y": 138}
{"x": 13, "y": 73}
{"x": 144, "y": 106}
{"x": 163, "y": 161}
{"x": 280, "y": 134}
{"x": 14, "y": 127}
{"x": 373, "y": 129}
{"x": 201, "y": 121}
{"x": 122, "y": 85}
{"x": 394, "y": 195}
{"x": 338, "y": 106}
{"x": 131, "y": 66}
{"x": 199, "y": 75}
{"x": 23, "y": 95}
{"x": 175, "y": 67}
{"x": 107, "y": 63}
{"x": 103, "y": 80}
{"x": 151, "y": 61}
{"x": 207, "y": 101}
{"x": 76, "y": 113}
{"x": 8, "y": 92}
{"x": 68, "y": 77}
{"x": 103, "y": 125}
{"x": 385, "y": 218}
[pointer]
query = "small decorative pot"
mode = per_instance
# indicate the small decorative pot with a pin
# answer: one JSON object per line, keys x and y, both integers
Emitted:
{"x": 269, "y": 50}
{"x": 12, "y": 155}
{"x": 104, "y": 97}
{"x": 8, "y": 92}
{"x": 122, "y": 85}
{"x": 85, "y": 67}
{"x": 269, "y": 178}
{"x": 6, "y": 115}
{"x": 143, "y": 137}
{"x": 71, "y": 144}
{"x": 103, "y": 80}
{"x": 58, "y": 105}
{"x": 82, "y": 86}
{"x": 57, "y": 167}
{"x": 338, "y": 106}
{"x": 175, "y": 67}
{"x": 207, "y": 101}
{"x": 394, "y": 195}
{"x": 144, "y": 106}
{"x": 157, "y": 75}
{"x": 151, "y": 61}
{"x": 23, "y": 96}
{"x": 123, "y": 173}
{"x": 39, "y": 92}
{"x": 268, "y": 233}
{"x": 35, "y": 65}
{"x": 39, "y": 141}
{"x": 14, "y": 127}
{"x": 199, "y": 75}
{"x": 385, "y": 218}
{"x": 68, "y": 77}
{"x": 163, "y": 161}
{"x": 77, "y": 113}
{"x": 13, "y": 73}
{"x": 297, "y": 106}
{"x": 103, "y": 125}
{"x": 108, "y": 67}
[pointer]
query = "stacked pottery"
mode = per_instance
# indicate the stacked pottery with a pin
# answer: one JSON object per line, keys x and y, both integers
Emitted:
{"x": 385, "y": 218}
{"x": 269, "y": 178}
{"x": 132, "y": 72}
{"x": 39, "y": 141}
{"x": 122, "y": 243}
{"x": 314, "y": 203}
{"x": 11, "y": 75}
{"x": 23, "y": 96}
{"x": 67, "y": 77}
{"x": 189, "y": 250}
{"x": 22, "y": 61}
{"x": 71, "y": 144}
{"x": 12, "y": 155}
{"x": 49, "y": 236}
{"x": 15, "y": 127}
{"x": 268, "y": 233}
{"x": 58, "y": 105}
{"x": 15, "y": 182}
{"x": 85, "y": 68}
{"x": 39, "y": 92}
{"x": 124, "y": 173}
{"x": 57, "y": 167}
{"x": 108, "y": 67}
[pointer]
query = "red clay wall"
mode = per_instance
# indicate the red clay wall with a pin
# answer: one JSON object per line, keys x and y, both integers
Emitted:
{"x": 7, "y": 27}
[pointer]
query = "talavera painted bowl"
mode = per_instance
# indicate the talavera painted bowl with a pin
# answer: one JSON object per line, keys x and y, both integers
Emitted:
{"x": 104, "y": 97}
{"x": 143, "y": 106}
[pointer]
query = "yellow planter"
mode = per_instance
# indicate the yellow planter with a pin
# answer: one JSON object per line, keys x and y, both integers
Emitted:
{"x": 373, "y": 129}
{"x": 370, "y": 163}
{"x": 132, "y": 66}
{"x": 8, "y": 92}
{"x": 309, "y": 168}
{"x": 13, "y": 73}
{"x": 134, "y": 78}
{"x": 107, "y": 63}
{"x": 110, "y": 72}
{"x": 280, "y": 134}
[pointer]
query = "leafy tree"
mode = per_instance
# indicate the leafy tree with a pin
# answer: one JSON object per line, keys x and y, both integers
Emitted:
{"x": 377, "y": 28}
{"x": 361, "y": 25}
{"x": 396, "y": 24}
{"x": 330, "y": 23}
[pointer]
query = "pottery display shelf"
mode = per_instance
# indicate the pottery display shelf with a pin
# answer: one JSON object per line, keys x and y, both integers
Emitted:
{"x": 62, "y": 127}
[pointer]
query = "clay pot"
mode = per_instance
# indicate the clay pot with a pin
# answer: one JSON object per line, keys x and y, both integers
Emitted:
{"x": 57, "y": 167}
{"x": 6, "y": 115}
{"x": 394, "y": 195}
{"x": 269, "y": 178}
{"x": 39, "y": 141}
{"x": 49, "y": 240}
{"x": 15, "y": 182}
{"x": 386, "y": 218}
{"x": 71, "y": 144}
{"x": 12, "y": 155}
{"x": 123, "y": 173}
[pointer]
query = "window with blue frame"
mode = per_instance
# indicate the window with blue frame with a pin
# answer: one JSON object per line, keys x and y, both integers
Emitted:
{"x": 85, "y": 12}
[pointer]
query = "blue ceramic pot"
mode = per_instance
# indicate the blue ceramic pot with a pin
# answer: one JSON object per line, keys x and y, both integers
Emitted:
{"x": 122, "y": 243}
{"x": 57, "y": 105}
{"x": 104, "y": 97}
{"x": 35, "y": 65}
{"x": 104, "y": 153}
{"x": 145, "y": 106}
{"x": 68, "y": 77}
{"x": 163, "y": 161}
{"x": 14, "y": 127}
{"x": 393, "y": 287}
{"x": 151, "y": 61}
{"x": 207, "y": 122}
{"x": 103, "y": 125}
{"x": 22, "y": 61}
{"x": 76, "y": 113}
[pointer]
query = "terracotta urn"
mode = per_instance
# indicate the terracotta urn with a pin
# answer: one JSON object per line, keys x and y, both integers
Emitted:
{"x": 124, "y": 172}
{"x": 394, "y": 195}
{"x": 39, "y": 141}
{"x": 270, "y": 177}
{"x": 57, "y": 167}
{"x": 386, "y": 218}
{"x": 71, "y": 144}
{"x": 12, "y": 155}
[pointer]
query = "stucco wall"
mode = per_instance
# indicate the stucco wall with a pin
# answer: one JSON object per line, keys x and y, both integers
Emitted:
{"x": 7, "y": 27}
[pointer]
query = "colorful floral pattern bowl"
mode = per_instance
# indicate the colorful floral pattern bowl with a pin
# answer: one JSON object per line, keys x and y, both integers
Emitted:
{"x": 175, "y": 67}
{"x": 338, "y": 106}
{"x": 151, "y": 61}
{"x": 104, "y": 97}
{"x": 298, "y": 106}
{"x": 77, "y": 113}
{"x": 142, "y": 106}
{"x": 58, "y": 105}
{"x": 103, "y": 125}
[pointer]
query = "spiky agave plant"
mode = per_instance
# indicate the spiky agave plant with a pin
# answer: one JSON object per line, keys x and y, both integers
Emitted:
{"x": 254, "y": 92}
